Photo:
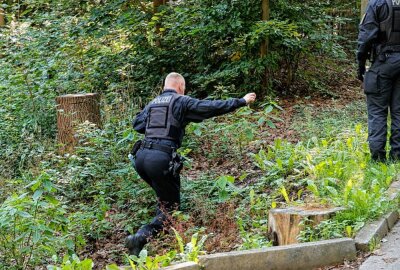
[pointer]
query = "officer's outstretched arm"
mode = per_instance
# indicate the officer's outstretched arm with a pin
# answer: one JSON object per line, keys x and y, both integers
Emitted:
{"x": 198, "y": 110}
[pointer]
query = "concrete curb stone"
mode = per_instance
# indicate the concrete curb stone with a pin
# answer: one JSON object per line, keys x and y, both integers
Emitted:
{"x": 306, "y": 256}
{"x": 373, "y": 231}
{"x": 184, "y": 266}
{"x": 392, "y": 218}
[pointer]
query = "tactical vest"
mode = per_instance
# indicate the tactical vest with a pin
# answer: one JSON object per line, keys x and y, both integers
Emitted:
{"x": 390, "y": 28}
{"x": 161, "y": 123}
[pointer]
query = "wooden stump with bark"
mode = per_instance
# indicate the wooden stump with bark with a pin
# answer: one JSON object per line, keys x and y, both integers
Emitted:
{"x": 73, "y": 110}
{"x": 284, "y": 225}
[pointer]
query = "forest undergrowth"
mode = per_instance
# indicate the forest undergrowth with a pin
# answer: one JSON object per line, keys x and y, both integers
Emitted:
{"x": 309, "y": 152}
{"x": 304, "y": 143}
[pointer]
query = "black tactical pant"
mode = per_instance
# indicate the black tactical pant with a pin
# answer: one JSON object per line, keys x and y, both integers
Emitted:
{"x": 382, "y": 88}
{"x": 152, "y": 166}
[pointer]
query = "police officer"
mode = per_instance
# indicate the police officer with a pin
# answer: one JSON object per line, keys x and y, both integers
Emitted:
{"x": 379, "y": 41}
{"x": 163, "y": 122}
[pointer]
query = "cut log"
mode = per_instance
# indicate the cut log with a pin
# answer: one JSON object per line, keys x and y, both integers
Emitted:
{"x": 284, "y": 225}
{"x": 73, "y": 110}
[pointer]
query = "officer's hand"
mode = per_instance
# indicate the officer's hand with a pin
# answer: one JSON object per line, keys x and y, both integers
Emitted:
{"x": 361, "y": 72}
{"x": 250, "y": 98}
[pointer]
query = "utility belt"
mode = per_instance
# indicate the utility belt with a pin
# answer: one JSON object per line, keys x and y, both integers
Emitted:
{"x": 164, "y": 148}
{"x": 380, "y": 53}
{"x": 176, "y": 163}
{"x": 391, "y": 49}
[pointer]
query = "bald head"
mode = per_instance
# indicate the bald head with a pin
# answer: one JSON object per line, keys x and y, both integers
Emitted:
{"x": 175, "y": 81}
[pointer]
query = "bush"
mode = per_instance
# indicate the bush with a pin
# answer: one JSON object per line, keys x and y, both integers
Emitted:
{"x": 32, "y": 225}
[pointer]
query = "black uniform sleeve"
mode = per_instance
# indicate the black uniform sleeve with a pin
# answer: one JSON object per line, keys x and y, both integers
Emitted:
{"x": 139, "y": 124}
{"x": 377, "y": 11}
{"x": 199, "y": 110}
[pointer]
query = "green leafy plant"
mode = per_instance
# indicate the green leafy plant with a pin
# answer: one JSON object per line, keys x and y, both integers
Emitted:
{"x": 374, "y": 244}
{"x": 191, "y": 251}
{"x": 252, "y": 221}
{"x": 327, "y": 229}
{"x": 253, "y": 239}
{"x": 225, "y": 187}
{"x": 144, "y": 262}
{"x": 73, "y": 263}
{"x": 31, "y": 224}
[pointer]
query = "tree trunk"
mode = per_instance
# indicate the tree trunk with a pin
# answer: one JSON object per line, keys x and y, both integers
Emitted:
{"x": 265, "y": 17}
{"x": 285, "y": 225}
{"x": 73, "y": 110}
{"x": 265, "y": 44}
{"x": 156, "y": 5}
{"x": 364, "y": 4}
{"x": 2, "y": 19}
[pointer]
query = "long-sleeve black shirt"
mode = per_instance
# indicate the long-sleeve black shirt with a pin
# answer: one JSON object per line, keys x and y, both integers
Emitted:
{"x": 187, "y": 109}
{"x": 377, "y": 12}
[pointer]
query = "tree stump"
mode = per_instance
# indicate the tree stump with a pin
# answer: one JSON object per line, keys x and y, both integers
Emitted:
{"x": 284, "y": 225}
{"x": 73, "y": 110}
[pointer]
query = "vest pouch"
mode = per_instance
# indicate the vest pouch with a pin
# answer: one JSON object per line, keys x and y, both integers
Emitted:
{"x": 161, "y": 122}
{"x": 371, "y": 83}
{"x": 158, "y": 117}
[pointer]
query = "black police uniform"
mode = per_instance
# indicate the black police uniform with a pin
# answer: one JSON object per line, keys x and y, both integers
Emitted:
{"x": 379, "y": 40}
{"x": 163, "y": 122}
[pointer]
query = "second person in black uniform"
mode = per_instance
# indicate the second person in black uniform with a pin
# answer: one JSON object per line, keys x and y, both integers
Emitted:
{"x": 379, "y": 40}
{"x": 163, "y": 122}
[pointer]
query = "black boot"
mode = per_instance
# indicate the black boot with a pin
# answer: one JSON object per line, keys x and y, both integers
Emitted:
{"x": 135, "y": 244}
{"x": 378, "y": 156}
{"x": 394, "y": 156}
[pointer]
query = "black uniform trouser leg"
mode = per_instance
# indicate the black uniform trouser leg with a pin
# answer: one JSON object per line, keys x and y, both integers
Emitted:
{"x": 395, "y": 116}
{"x": 378, "y": 106}
{"x": 382, "y": 87}
{"x": 152, "y": 166}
